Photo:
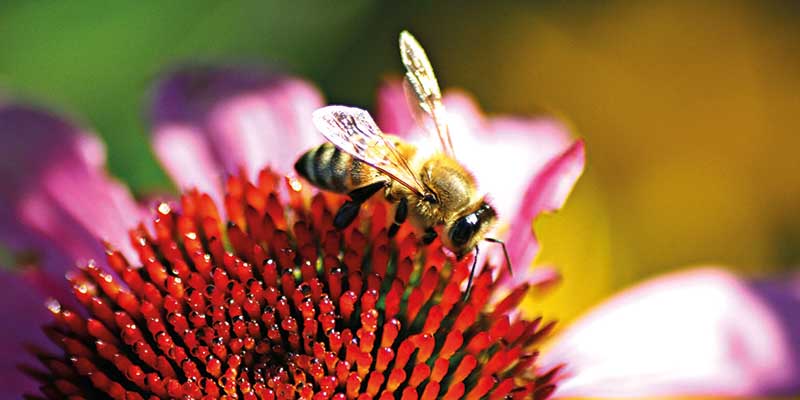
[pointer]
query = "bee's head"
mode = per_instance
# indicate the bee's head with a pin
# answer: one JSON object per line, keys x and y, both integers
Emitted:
{"x": 463, "y": 233}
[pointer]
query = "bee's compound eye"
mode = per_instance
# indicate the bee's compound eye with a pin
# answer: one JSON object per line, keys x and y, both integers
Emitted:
{"x": 464, "y": 229}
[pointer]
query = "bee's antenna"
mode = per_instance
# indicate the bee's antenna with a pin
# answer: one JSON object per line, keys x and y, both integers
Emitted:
{"x": 472, "y": 274}
{"x": 505, "y": 252}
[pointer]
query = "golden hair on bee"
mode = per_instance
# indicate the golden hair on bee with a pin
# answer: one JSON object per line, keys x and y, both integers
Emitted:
{"x": 430, "y": 190}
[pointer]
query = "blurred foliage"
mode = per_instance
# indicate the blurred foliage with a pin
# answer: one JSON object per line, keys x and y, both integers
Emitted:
{"x": 99, "y": 62}
{"x": 689, "y": 108}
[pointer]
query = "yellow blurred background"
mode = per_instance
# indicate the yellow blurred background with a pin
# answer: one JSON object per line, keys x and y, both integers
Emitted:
{"x": 689, "y": 109}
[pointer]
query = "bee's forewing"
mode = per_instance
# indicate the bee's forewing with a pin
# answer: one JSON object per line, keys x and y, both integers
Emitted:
{"x": 354, "y": 131}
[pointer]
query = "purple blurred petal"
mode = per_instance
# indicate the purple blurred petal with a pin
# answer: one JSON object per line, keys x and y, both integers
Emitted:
{"x": 697, "y": 332}
{"x": 54, "y": 189}
{"x": 211, "y": 121}
{"x": 24, "y": 304}
{"x": 30, "y": 249}
{"x": 188, "y": 159}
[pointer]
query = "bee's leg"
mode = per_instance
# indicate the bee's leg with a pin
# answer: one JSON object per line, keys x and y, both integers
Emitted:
{"x": 361, "y": 194}
{"x": 399, "y": 216}
{"x": 429, "y": 236}
{"x": 349, "y": 210}
{"x": 346, "y": 214}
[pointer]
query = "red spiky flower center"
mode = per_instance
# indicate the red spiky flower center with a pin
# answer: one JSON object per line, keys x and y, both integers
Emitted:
{"x": 277, "y": 304}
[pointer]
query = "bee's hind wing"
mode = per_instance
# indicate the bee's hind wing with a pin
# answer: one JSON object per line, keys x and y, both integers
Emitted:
{"x": 422, "y": 90}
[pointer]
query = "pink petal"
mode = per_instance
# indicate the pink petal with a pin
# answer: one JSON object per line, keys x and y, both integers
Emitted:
{"x": 465, "y": 118}
{"x": 697, "y": 332}
{"x": 211, "y": 121}
{"x": 24, "y": 312}
{"x": 54, "y": 188}
{"x": 393, "y": 113}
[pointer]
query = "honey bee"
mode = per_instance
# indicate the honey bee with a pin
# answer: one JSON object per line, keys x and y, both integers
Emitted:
{"x": 434, "y": 190}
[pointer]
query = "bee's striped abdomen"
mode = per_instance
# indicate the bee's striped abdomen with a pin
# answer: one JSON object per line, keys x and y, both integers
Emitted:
{"x": 329, "y": 168}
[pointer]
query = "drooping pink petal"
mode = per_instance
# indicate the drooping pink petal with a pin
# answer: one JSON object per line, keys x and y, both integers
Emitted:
{"x": 23, "y": 303}
{"x": 212, "y": 121}
{"x": 697, "y": 332}
{"x": 541, "y": 278}
{"x": 546, "y": 192}
{"x": 53, "y": 186}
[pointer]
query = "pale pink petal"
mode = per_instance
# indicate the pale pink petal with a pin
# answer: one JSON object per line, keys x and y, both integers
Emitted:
{"x": 23, "y": 303}
{"x": 698, "y": 332}
{"x": 546, "y": 192}
{"x": 465, "y": 119}
{"x": 53, "y": 188}
{"x": 211, "y": 121}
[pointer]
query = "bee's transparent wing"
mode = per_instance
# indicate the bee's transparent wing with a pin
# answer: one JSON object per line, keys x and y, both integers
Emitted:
{"x": 354, "y": 131}
{"x": 425, "y": 88}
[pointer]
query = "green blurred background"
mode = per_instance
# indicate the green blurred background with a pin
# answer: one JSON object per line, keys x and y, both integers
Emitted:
{"x": 689, "y": 108}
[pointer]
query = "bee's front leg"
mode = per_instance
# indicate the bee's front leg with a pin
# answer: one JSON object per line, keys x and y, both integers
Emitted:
{"x": 349, "y": 210}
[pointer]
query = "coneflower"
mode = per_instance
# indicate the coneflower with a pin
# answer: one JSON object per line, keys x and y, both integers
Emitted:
{"x": 274, "y": 303}
{"x": 241, "y": 287}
